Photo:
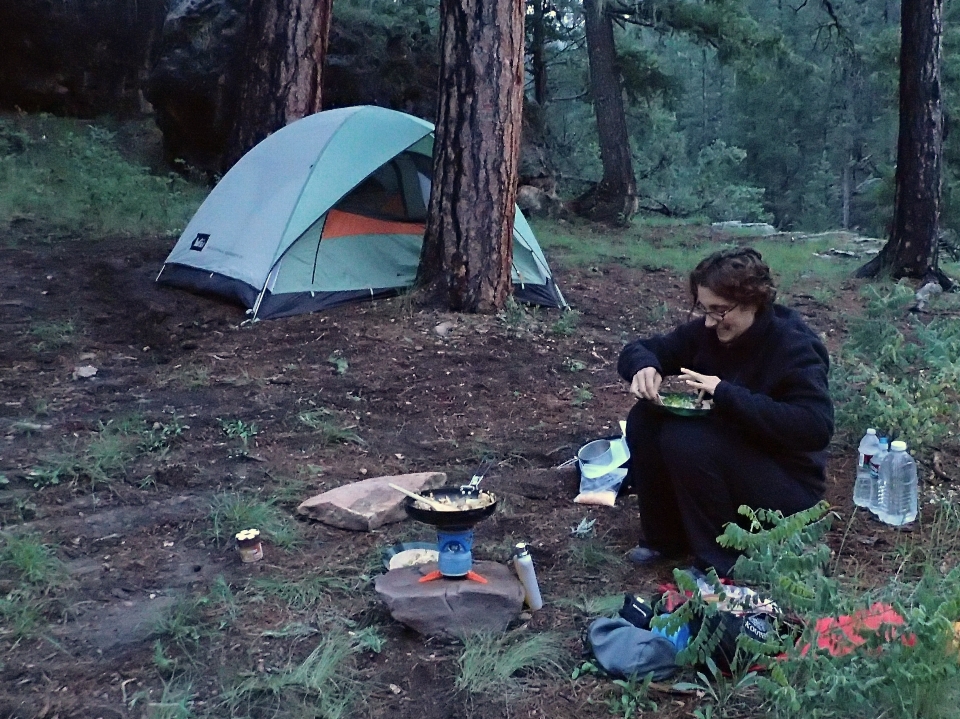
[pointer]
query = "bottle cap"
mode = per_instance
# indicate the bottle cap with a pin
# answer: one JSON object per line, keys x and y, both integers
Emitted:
{"x": 899, "y": 446}
{"x": 520, "y": 548}
{"x": 871, "y": 431}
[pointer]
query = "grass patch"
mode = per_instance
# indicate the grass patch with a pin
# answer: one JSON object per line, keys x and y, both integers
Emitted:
{"x": 190, "y": 377}
{"x": 175, "y": 702}
{"x": 593, "y": 554}
{"x": 71, "y": 174}
{"x": 32, "y": 561}
{"x": 233, "y": 512}
{"x": 185, "y": 624}
{"x": 328, "y": 429}
{"x": 679, "y": 245}
{"x": 52, "y": 335}
{"x": 237, "y": 429}
{"x": 490, "y": 664}
{"x": 603, "y": 606}
{"x": 39, "y": 572}
{"x": 323, "y": 685}
{"x": 21, "y": 614}
{"x": 566, "y": 324}
{"x": 103, "y": 459}
{"x": 303, "y": 594}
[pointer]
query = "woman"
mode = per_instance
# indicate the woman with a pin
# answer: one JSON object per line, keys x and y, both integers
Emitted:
{"x": 763, "y": 443}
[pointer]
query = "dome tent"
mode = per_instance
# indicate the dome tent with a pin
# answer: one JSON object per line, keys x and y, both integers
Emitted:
{"x": 329, "y": 209}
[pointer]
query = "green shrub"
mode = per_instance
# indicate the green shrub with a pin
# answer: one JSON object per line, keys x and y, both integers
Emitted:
{"x": 907, "y": 671}
{"x": 905, "y": 386}
{"x": 72, "y": 174}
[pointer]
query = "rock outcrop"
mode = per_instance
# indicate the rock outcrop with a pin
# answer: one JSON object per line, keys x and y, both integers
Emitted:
{"x": 81, "y": 58}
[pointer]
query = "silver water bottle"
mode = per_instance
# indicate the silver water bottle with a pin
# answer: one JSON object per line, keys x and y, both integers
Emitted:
{"x": 523, "y": 563}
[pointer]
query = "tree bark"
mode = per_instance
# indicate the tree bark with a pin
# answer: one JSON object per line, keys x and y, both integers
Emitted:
{"x": 468, "y": 244}
{"x": 912, "y": 248}
{"x": 284, "y": 51}
{"x": 614, "y": 199}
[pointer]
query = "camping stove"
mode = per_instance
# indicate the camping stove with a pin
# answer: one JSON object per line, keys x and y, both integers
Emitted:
{"x": 454, "y": 535}
{"x": 455, "y": 556}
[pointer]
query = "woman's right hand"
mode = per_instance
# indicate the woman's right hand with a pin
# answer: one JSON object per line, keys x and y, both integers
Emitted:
{"x": 646, "y": 383}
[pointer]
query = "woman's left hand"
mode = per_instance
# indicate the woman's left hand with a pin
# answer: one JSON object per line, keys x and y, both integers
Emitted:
{"x": 703, "y": 382}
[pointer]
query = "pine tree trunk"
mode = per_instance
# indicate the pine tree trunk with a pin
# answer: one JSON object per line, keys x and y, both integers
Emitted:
{"x": 468, "y": 244}
{"x": 912, "y": 248}
{"x": 284, "y": 51}
{"x": 538, "y": 62}
{"x": 614, "y": 199}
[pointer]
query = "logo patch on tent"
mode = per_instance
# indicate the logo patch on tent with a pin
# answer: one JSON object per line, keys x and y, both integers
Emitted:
{"x": 200, "y": 241}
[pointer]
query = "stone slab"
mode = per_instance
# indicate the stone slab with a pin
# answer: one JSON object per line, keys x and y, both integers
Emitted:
{"x": 370, "y": 503}
{"x": 452, "y": 607}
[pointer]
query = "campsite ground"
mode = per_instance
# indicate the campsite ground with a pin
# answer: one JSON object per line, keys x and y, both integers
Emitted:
{"x": 130, "y": 475}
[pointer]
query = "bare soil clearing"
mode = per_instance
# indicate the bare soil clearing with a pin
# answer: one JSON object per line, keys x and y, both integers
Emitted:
{"x": 423, "y": 389}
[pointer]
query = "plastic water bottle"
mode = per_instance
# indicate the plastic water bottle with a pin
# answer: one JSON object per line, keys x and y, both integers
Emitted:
{"x": 878, "y": 492}
{"x": 898, "y": 474}
{"x": 523, "y": 563}
{"x": 862, "y": 490}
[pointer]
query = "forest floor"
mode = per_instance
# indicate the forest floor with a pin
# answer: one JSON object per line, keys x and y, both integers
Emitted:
{"x": 119, "y": 472}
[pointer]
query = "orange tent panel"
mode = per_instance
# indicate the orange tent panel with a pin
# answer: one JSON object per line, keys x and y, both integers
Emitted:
{"x": 346, "y": 224}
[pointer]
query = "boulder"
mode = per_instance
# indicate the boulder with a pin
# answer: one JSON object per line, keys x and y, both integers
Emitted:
{"x": 370, "y": 503}
{"x": 84, "y": 57}
{"x": 452, "y": 607}
{"x": 193, "y": 83}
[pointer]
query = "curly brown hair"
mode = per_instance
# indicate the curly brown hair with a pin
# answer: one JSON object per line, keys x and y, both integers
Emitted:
{"x": 738, "y": 274}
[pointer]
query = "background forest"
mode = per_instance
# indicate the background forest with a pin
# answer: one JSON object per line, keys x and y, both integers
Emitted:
{"x": 772, "y": 111}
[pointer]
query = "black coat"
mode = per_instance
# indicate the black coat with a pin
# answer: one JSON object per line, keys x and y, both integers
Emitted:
{"x": 773, "y": 387}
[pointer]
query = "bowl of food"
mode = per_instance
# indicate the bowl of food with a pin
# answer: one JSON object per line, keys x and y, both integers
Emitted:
{"x": 682, "y": 405}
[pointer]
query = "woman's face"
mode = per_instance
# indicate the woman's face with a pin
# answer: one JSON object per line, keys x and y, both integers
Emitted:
{"x": 729, "y": 318}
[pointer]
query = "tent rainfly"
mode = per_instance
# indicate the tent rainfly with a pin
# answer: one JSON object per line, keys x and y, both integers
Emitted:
{"x": 330, "y": 209}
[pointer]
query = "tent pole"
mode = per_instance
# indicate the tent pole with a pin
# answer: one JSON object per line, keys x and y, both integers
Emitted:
{"x": 256, "y": 305}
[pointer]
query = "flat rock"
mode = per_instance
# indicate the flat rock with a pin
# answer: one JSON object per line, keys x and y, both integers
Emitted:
{"x": 452, "y": 607}
{"x": 369, "y": 503}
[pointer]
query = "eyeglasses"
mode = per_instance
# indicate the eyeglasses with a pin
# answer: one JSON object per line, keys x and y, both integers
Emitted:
{"x": 717, "y": 315}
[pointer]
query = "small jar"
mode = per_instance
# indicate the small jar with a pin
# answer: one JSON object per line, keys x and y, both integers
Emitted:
{"x": 248, "y": 542}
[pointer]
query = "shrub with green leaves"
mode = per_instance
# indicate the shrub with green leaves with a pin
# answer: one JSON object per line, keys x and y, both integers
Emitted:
{"x": 909, "y": 670}
{"x": 905, "y": 386}
{"x": 72, "y": 174}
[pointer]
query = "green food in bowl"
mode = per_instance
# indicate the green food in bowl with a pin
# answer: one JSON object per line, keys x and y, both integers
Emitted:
{"x": 682, "y": 405}
{"x": 681, "y": 401}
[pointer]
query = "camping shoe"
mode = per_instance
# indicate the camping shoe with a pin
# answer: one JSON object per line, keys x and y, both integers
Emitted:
{"x": 642, "y": 555}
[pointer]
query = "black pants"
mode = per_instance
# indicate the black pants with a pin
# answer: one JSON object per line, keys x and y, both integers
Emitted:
{"x": 691, "y": 475}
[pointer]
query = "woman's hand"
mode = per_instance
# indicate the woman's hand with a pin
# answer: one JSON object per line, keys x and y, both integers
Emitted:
{"x": 702, "y": 382}
{"x": 646, "y": 383}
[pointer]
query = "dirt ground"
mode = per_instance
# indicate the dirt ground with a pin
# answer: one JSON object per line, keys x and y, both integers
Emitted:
{"x": 513, "y": 388}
